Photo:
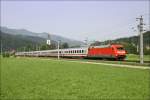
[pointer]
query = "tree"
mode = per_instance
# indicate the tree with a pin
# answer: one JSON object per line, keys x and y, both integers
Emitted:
{"x": 64, "y": 45}
{"x": 96, "y": 43}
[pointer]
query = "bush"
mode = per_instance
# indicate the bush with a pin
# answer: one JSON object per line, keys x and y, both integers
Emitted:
{"x": 6, "y": 54}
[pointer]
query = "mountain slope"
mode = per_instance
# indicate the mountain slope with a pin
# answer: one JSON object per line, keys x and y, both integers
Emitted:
{"x": 10, "y": 42}
{"x": 43, "y": 35}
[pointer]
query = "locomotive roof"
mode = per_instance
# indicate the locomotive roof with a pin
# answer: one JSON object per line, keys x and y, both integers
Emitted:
{"x": 101, "y": 46}
{"x": 105, "y": 46}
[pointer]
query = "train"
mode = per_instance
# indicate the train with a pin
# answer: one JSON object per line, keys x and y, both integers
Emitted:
{"x": 111, "y": 51}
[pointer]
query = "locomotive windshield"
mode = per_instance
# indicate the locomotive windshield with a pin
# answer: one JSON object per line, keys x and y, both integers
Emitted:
{"x": 120, "y": 48}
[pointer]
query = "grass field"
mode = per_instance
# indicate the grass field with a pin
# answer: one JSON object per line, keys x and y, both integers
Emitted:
{"x": 34, "y": 78}
{"x": 134, "y": 57}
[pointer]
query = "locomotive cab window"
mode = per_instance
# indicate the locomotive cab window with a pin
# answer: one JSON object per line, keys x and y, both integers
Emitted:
{"x": 120, "y": 48}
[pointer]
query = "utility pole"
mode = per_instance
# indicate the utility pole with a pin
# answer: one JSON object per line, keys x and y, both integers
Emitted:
{"x": 86, "y": 42}
{"x": 58, "y": 48}
{"x": 1, "y": 44}
{"x": 24, "y": 50}
{"x": 140, "y": 29}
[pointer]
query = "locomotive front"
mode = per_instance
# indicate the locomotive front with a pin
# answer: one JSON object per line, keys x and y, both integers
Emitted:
{"x": 120, "y": 52}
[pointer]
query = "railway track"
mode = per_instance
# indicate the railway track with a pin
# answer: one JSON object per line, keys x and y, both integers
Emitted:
{"x": 125, "y": 62}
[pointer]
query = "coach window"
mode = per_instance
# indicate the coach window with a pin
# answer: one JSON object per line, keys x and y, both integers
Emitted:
{"x": 82, "y": 51}
{"x": 78, "y": 51}
{"x": 75, "y": 51}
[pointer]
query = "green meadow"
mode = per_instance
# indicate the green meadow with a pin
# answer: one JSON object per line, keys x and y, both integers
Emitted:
{"x": 45, "y": 79}
{"x": 134, "y": 57}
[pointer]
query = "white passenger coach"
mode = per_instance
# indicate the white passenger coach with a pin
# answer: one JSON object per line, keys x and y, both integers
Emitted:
{"x": 71, "y": 52}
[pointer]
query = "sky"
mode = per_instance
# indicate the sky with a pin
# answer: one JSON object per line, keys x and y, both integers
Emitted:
{"x": 79, "y": 20}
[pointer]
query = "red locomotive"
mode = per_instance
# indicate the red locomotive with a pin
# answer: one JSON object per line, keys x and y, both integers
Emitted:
{"x": 113, "y": 51}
